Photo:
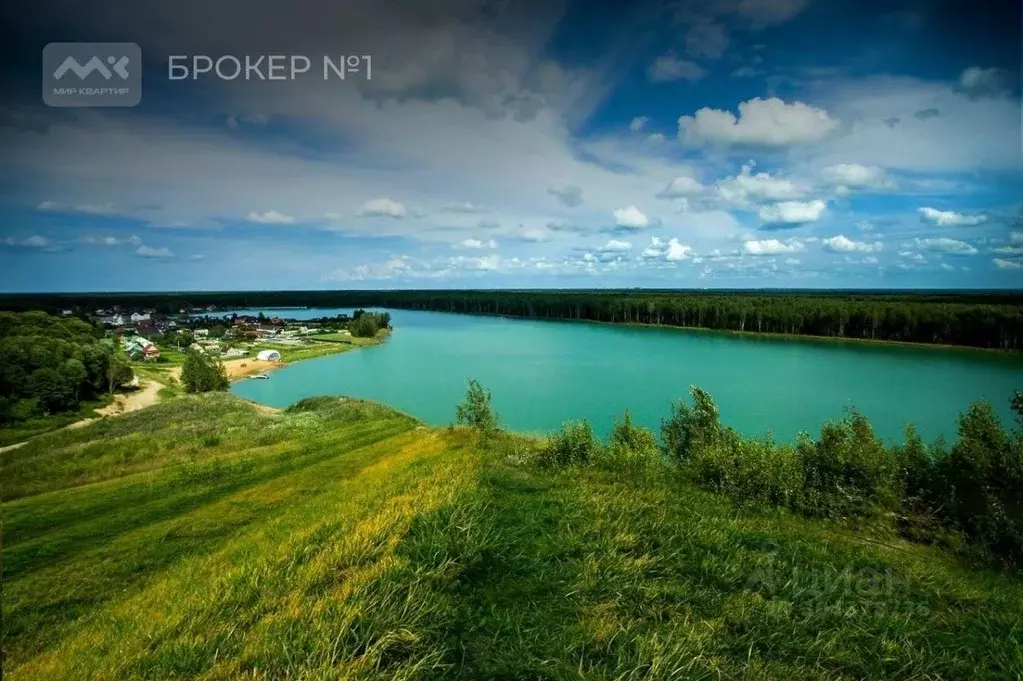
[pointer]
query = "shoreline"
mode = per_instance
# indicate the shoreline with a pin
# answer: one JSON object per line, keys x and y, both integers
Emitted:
{"x": 736, "y": 332}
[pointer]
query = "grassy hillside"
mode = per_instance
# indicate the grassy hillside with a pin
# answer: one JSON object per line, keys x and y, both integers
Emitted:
{"x": 202, "y": 538}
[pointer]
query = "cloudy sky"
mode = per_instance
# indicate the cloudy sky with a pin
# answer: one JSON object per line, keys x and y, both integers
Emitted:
{"x": 734, "y": 143}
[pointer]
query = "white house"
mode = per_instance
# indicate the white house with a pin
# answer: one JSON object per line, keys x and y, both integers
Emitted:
{"x": 137, "y": 317}
{"x": 269, "y": 356}
{"x": 201, "y": 333}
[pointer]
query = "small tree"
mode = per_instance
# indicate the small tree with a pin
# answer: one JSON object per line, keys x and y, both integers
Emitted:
{"x": 201, "y": 373}
{"x": 476, "y": 411}
{"x": 691, "y": 427}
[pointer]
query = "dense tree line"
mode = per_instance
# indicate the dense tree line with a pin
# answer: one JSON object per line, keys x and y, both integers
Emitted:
{"x": 368, "y": 324}
{"x": 50, "y": 364}
{"x": 977, "y": 319}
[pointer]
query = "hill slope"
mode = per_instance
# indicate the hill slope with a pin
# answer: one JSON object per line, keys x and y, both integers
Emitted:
{"x": 202, "y": 538}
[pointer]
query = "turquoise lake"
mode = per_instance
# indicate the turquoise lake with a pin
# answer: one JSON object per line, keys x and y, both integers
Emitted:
{"x": 543, "y": 373}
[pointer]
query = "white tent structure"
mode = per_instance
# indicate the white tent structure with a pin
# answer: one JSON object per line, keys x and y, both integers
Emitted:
{"x": 269, "y": 356}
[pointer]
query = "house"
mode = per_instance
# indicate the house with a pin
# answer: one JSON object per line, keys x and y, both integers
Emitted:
{"x": 197, "y": 348}
{"x": 66, "y": 313}
{"x": 150, "y": 353}
{"x": 201, "y": 333}
{"x": 137, "y": 317}
{"x": 269, "y": 356}
{"x": 235, "y": 352}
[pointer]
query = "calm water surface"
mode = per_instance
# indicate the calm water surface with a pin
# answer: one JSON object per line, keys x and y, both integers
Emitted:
{"x": 544, "y": 373}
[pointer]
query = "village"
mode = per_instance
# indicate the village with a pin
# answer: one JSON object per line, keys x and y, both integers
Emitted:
{"x": 151, "y": 336}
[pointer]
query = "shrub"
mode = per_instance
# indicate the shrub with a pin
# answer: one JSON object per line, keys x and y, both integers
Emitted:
{"x": 847, "y": 470}
{"x": 691, "y": 427}
{"x": 476, "y": 411}
{"x": 630, "y": 444}
{"x": 574, "y": 445}
{"x": 977, "y": 488}
{"x": 202, "y": 373}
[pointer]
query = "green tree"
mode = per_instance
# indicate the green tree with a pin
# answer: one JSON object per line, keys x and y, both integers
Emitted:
{"x": 53, "y": 390}
{"x": 119, "y": 373}
{"x": 73, "y": 371}
{"x": 202, "y": 373}
{"x": 690, "y": 427}
{"x": 476, "y": 411}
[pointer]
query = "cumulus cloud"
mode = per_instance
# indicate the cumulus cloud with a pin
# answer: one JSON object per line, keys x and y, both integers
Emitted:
{"x": 681, "y": 187}
{"x": 842, "y": 244}
{"x": 793, "y": 212}
{"x": 1003, "y": 264}
{"x": 477, "y": 243}
{"x": 946, "y": 245}
{"x": 271, "y": 217}
{"x": 980, "y": 82}
{"x": 638, "y": 123}
{"x": 382, "y": 207}
{"x": 772, "y": 247}
{"x": 86, "y": 208}
{"x": 486, "y": 263}
{"x": 630, "y": 218}
{"x": 668, "y": 250}
{"x": 534, "y": 236}
{"x": 948, "y": 218}
{"x": 396, "y": 266}
{"x": 569, "y": 195}
{"x": 857, "y": 176}
{"x": 761, "y": 122}
{"x": 668, "y": 67}
{"x": 747, "y": 188}
{"x": 615, "y": 246}
{"x": 150, "y": 252}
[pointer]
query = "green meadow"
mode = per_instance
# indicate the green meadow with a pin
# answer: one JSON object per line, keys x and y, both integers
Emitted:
{"x": 202, "y": 538}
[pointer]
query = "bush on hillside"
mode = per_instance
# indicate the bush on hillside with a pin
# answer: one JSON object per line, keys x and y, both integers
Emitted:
{"x": 202, "y": 373}
{"x": 573, "y": 445}
{"x": 630, "y": 445}
{"x": 476, "y": 411}
{"x": 690, "y": 428}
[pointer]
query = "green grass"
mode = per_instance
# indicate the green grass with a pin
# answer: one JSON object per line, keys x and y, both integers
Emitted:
{"x": 26, "y": 430}
{"x": 332, "y": 337}
{"x": 201, "y": 538}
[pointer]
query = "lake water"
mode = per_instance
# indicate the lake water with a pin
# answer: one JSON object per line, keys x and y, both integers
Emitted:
{"x": 544, "y": 373}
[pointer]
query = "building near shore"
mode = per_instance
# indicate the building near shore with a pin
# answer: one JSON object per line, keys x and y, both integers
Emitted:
{"x": 269, "y": 356}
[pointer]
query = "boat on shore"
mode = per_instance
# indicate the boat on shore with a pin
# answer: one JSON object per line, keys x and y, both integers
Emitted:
{"x": 262, "y": 376}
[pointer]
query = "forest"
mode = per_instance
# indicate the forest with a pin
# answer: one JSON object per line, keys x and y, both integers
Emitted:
{"x": 975, "y": 319}
{"x": 50, "y": 365}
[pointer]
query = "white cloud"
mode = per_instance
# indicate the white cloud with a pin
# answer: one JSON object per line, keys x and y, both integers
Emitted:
{"x": 948, "y": 218}
{"x": 569, "y": 195}
{"x": 87, "y": 208}
{"x": 638, "y": 123}
{"x": 388, "y": 269}
{"x": 842, "y": 244}
{"x": 112, "y": 240}
{"x": 747, "y": 187}
{"x": 681, "y": 187}
{"x": 772, "y": 247}
{"x": 761, "y": 122}
{"x": 535, "y": 236}
{"x": 1004, "y": 264}
{"x": 945, "y": 245}
{"x": 669, "y": 250}
{"x": 979, "y": 81}
{"x": 476, "y": 243}
{"x": 1016, "y": 238}
{"x": 769, "y": 12}
{"x": 630, "y": 218}
{"x": 857, "y": 176}
{"x": 271, "y": 217}
{"x": 463, "y": 207}
{"x": 150, "y": 252}
{"x": 791, "y": 261}
{"x": 48, "y": 205}
{"x": 793, "y": 212}
{"x": 34, "y": 241}
{"x": 382, "y": 207}
{"x": 486, "y": 263}
{"x": 668, "y": 67}
{"x": 615, "y": 246}
{"x": 656, "y": 138}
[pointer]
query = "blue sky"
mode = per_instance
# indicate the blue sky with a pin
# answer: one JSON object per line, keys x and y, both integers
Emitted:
{"x": 739, "y": 143}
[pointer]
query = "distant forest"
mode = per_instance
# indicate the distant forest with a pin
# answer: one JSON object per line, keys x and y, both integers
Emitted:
{"x": 982, "y": 319}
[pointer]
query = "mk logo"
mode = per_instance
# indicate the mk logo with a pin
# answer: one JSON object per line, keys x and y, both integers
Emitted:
{"x": 107, "y": 74}
{"x": 94, "y": 64}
